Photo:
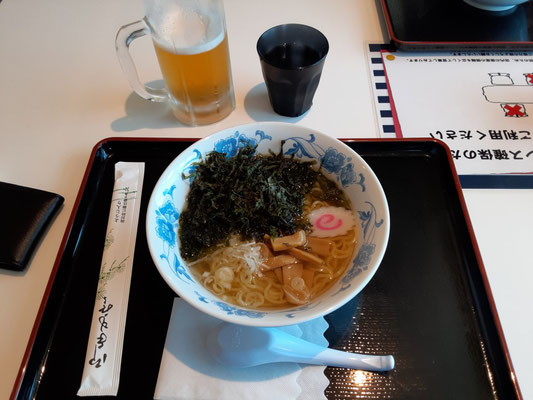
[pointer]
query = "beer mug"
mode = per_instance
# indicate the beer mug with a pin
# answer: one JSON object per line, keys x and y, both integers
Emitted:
{"x": 191, "y": 45}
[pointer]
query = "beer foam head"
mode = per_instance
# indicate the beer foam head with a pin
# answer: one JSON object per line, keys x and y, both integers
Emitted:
{"x": 185, "y": 31}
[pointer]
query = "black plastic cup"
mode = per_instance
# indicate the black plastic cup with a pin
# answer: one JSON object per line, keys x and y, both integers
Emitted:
{"x": 292, "y": 57}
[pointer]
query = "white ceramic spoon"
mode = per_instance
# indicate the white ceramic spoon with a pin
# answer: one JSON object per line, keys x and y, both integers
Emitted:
{"x": 244, "y": 346}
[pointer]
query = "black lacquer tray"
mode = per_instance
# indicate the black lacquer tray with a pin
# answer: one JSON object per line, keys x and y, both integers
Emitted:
{"x": 428, "y": 304}
{"x": 423, "y": 25}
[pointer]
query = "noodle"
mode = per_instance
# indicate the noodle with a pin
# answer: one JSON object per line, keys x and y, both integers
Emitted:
{"x": 234, "y": 273}
{"x": 238, "y": 272}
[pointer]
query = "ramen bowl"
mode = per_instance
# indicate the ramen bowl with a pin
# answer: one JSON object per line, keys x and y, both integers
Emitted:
{"x": 338, "y": 162}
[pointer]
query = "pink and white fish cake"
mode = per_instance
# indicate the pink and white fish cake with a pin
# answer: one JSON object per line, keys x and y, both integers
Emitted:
{"x": 331, "y": 221}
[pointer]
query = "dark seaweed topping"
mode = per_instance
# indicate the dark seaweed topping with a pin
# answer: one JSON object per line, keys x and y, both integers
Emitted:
{"x": 250, "y": 195}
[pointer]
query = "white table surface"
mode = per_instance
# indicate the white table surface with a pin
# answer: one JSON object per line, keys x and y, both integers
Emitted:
{"x": 62, "y": 90}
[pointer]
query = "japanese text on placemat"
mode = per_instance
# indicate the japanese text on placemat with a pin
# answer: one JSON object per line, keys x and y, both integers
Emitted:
{"x": 490, "y": 137}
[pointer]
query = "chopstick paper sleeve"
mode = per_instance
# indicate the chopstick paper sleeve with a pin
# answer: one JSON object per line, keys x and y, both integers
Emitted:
{"x": 101, "y": 371}
{"x": 25, "y": 215}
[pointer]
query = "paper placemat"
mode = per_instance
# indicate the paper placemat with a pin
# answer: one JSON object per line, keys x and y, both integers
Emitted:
{"x": 188, "y": 372}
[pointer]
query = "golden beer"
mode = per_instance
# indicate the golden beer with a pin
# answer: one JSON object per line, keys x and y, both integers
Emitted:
{"x": 198, "y": 80}
{"x": 191, "y": 44}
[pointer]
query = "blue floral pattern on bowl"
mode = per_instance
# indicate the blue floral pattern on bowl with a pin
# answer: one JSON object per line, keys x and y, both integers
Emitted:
{"x": 369, "y": 224}
{"x": 232, "y": 310}
{"x": 337, "y": 163}
{"x": 331, "y": 159}
{"x": 167, "y": 217}
{"x": 231, "y": 145}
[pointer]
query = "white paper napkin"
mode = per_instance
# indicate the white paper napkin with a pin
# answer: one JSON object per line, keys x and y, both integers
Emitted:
{"x": 187, "y": 372}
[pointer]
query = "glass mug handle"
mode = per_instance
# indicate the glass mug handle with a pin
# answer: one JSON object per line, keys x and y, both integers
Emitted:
{"x": 126, "y": 35}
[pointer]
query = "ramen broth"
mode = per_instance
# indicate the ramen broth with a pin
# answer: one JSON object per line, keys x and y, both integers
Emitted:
{"x": 277, "y": 270}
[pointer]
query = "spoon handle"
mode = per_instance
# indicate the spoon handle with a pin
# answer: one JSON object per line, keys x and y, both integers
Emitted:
{"x": 336, "y": 358}
{"x": 292, "y": 349}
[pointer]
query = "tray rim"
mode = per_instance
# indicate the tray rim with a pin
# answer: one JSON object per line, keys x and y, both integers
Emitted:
{"x": 421, "y": 45}
{"x": 90, "y": 163}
